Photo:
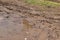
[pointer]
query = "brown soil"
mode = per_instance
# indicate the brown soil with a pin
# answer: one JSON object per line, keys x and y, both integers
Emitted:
{"x": 20, "y": 21}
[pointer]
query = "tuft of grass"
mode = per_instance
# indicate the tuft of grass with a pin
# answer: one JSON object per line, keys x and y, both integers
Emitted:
{"x": 26, "y": 24}
{"x": 42, "y": 2}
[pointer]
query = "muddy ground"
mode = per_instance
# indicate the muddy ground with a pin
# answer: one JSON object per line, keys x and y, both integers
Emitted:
{"x": 20, "y": 21}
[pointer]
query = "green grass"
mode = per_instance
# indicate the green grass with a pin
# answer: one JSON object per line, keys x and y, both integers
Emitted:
{"x": 42, "y": 2}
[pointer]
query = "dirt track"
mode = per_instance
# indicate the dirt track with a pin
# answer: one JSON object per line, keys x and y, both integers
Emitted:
{"x": 20, "y": 22}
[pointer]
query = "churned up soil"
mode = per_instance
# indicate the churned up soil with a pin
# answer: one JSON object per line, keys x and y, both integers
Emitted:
{"x": 20, "y": 21}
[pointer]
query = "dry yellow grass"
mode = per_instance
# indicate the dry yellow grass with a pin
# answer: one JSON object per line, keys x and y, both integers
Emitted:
{"x": 26, "y": 24}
